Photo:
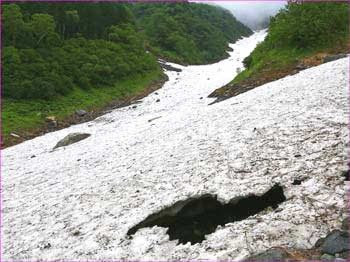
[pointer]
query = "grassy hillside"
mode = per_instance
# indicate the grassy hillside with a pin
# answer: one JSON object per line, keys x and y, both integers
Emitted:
{"x": 299, "y": 36}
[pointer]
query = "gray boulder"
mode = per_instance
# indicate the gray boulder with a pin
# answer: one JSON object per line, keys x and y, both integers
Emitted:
{"x": 52, "y": 124}
{"x": 80, "y": 112}
{"x": 330, "y": 58}
{"x": 272, "y": 254}
{"x": 71, "y": 139}
{"x": 336, "y": 242}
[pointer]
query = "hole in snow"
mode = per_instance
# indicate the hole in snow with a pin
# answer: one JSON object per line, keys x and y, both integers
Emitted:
{"x": 192, "y": 219}
{"x": 298, "y": 181}
{"x": 346, "y": 175}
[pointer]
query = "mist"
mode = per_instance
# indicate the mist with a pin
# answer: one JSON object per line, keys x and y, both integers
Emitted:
{"x": 254, "y": 14}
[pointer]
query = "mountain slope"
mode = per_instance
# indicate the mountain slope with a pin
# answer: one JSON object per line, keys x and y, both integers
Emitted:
{"x": 190, "y": 33}
{"x": 78, "y": 202}
{"x": 59, "y": 57}
{"x": 300, "y": 36}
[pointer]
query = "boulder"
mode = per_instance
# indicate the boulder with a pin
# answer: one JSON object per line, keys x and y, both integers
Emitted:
{"x": 80, "y": 112}
{"x": 71, "y": 139}
{"x": 330, "y": 58}
{"x": 51, "y": 124}
{"x": 336, "y": 242}
{"x": 272, "y": 254}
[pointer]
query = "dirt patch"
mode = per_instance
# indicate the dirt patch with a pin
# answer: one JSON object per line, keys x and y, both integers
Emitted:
{"x": 74, "y": 119}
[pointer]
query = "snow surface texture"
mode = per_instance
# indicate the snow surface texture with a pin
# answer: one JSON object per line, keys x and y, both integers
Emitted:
{"x": 79, "y": 201}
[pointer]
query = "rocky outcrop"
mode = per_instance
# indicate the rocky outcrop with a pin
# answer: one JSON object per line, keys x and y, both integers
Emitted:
{"x": 71, "y": 139}
{"x": 80, "y": 112}
{"x": 168, "y": 67}
{"x": 330, "y": 58}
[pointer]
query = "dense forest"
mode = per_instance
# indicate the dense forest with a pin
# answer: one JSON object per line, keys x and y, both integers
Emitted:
{"x": 48, "y": 48}
{"x": 190, "y": 33}
{"x": 298, "y": 31}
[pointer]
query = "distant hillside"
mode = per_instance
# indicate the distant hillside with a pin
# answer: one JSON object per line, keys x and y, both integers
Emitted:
{"x": 188, "y": 32}
{"x": 299, "y": 36}
{"x": 300, "y": 30}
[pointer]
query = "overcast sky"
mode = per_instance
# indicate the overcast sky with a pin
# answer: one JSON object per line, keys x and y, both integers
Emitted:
{"x": 252, "y": 13}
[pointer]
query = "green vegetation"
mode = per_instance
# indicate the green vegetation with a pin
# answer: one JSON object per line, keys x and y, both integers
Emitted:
{"x": 24, "y": 114}
{"x": 188, "y": 32}
{"x": 42, "y": 63}
{"x": 299, "y": 31}
{"x": 58, "y": 57}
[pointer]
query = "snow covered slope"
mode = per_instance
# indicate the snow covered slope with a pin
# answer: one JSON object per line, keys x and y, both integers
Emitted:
{"x": 79, "y": 201}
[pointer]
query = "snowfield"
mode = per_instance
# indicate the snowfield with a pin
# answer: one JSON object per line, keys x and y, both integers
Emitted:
{"x": 78, "y": 202}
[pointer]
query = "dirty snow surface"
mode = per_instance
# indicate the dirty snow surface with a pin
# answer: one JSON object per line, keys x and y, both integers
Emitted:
{"x": 79, "y": 201}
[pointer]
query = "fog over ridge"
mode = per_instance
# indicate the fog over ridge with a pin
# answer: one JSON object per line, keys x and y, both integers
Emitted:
{"x": 251, "y": 13}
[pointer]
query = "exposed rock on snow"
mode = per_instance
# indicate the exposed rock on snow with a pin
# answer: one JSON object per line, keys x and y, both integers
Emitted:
{"x": 330, "y": 58}
{"x": 71, "y": 139}
{"x": 336, "y": 242}
{"x": 273, "y": 254}
{"x": 129, "y": 169}
{"x": 80, "y": 112}
{"x": 168, "y": 67}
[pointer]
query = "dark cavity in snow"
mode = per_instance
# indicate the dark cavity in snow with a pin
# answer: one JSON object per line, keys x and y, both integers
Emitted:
{"x": 192, "y": 219}
{"x": 346, "y": 175}
{"x": 298, "y": 181}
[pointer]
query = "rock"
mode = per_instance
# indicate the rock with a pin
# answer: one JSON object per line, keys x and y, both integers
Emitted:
{"x": 134, "y": 107}
{"x": 327, "y": 257}
{"x": 33, "y": 156}
{"x": 344, "y": 255}
{"x": 345, "y": 224}
{"x": 201, "y": 97}
{"x": 346, "y": 175}
{"x": 71, "y": 139}
{"x": 76, "y": 232}
{"x": 52, "y": 124}
{"x": 14, "y": 135}
{"x": 319, "y": 242}
{"x": 336, "y": 242}
{"x": 158, "y": 100}
{"x": 330, "y": 58}
{"x": 168, "y": 67}
{"x": 271, "y": 254}
{"x": 300, "y": 67}
{"x": 80, "y": 112}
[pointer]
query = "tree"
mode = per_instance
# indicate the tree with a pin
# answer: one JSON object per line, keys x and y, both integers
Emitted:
{"x": 12, "y": 21}
{"x": 42, "y": 25}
